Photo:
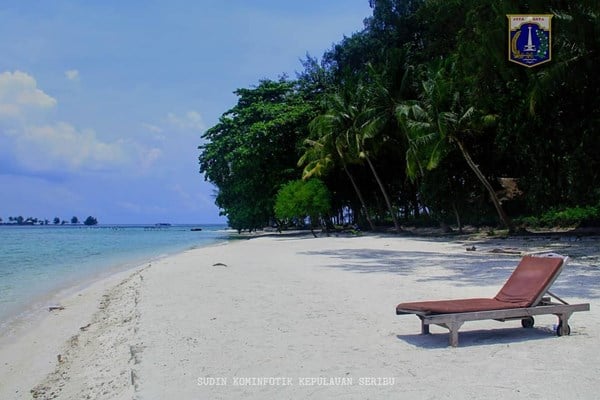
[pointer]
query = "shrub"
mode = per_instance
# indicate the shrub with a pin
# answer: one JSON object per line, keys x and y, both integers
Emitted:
{"x": 569, "y": 217}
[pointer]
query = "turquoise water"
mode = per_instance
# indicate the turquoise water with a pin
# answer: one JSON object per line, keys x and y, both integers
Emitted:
{"x": 36, "y": 261}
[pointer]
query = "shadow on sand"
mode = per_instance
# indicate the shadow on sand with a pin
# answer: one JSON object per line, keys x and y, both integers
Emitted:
{"x": 578, "y": 279}
{"x": 481, "y": 337}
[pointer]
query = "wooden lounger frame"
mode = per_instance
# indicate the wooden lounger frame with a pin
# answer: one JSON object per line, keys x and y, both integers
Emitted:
{"x": 542, "y": 305}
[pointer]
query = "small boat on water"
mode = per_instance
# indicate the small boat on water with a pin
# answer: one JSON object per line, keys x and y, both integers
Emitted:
{"x": 196, "y": 229}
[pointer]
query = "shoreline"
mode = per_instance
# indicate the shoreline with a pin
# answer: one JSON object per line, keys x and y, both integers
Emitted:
{"x": 30, "y": 348}
{"x": 31, "y": 304}
{"x": 26, "y": 331}
{"x": 36, "y": 309}
{"x": 285, "y": 306}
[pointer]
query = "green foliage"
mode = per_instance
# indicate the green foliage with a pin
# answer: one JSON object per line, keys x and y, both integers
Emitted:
{"x": 568, "y": 217}
{"x": 421, "y": 113}
{"x": 301, "y": 199}
{"x": 254, "y": 149}
{"x": 20, "y": 220}
{"x": 90, "y": 221}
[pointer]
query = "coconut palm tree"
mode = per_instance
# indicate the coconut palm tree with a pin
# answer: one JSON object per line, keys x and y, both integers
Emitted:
{"x": 438, "y": 121}
{"x": 360, "y": 137}
{"x": 329, "y": 148}
{"x": 385, "y": 88}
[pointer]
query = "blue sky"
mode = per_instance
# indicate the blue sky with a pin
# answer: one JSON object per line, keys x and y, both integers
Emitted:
{"x": 102, "y": 104}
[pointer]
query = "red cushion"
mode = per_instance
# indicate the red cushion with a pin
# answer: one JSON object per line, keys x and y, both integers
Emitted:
{"x": 454, "y": 306}
{"x": 529, "y": 280}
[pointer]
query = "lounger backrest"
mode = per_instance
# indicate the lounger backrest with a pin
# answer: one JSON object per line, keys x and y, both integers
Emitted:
{"x": 530, "y": 280}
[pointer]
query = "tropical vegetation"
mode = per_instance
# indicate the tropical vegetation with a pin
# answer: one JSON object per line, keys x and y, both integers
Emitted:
{"x": 420, "y": 118}
{"x": 20, "y": 220}
{"x": 302, "y": 200}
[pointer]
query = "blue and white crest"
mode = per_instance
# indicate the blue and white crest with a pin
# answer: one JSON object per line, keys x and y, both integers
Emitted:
{"x": 529, "y": 39}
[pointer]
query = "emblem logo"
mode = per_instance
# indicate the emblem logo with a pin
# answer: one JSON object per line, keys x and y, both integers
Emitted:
{"x": 529, "y": 39}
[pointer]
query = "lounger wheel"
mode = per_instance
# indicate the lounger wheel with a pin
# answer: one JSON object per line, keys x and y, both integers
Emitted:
{"x": 527, "y": 322}
{"x": 563, "y": 330}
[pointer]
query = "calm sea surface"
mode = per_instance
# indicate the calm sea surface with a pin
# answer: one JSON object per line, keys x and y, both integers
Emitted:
{"x": 36, "y": 261}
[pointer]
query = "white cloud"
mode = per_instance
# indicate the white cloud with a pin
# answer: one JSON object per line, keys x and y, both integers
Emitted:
{"x": 156, "y": 131}
{"x": 34, "y": 144}
{"x": 152, "y": 128}
{"x": 72, "y": 75}
{"x": 61, "y": 146}
{"x": 148, "y": 157}
{"x": 9, "y": 110}
{"x": 20, "y": 96}
{"x": 191, "y": 120}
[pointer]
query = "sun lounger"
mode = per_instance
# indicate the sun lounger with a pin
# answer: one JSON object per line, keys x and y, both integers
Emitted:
{"x": 524, "y": 295}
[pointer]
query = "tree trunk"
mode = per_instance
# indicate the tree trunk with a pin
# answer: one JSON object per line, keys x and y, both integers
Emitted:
{"x": 457, "y": 216}
{"x": 385, "y": 195}
{"x": 360, "y": 197}
{"x": 503, "y": 216}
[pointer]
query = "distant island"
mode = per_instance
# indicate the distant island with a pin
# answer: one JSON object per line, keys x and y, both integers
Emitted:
{"x": 20, "y": 220}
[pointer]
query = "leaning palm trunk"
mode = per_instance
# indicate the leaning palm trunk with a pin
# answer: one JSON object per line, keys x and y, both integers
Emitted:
{"x": 457, "y": 216}
{"x": 385, "y": 195}
{"x": 360, "y": 197}
{"x": 503, "y": 216}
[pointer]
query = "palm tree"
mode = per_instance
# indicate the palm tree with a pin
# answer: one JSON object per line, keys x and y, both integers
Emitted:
{"x": 329, "y": 148}
{"x": 359, "y": 140}
{"x": 438, "y": 121}
{"x": 360, "y": 136}
{"x": 351, "y": 121}
{"x": 379, "y": 125}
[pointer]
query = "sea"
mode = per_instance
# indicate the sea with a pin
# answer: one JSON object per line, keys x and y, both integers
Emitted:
{"x": 38, "y": 261}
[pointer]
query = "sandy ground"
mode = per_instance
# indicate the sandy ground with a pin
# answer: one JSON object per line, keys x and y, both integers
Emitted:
{"x": 284, "y": 317}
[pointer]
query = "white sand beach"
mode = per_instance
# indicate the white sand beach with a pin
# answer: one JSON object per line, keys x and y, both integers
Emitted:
{"x": 294, "y": 317}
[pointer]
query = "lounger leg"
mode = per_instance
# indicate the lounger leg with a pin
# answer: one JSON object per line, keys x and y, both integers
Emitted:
{"x": 424, "y": 327}
{"x": 454, "y": 334}
{"x": 563, "y": 324}
{"x": 453, "y": 327}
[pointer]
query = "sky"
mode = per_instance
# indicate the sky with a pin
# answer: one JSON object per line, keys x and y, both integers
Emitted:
{"x": 103, "y": 103}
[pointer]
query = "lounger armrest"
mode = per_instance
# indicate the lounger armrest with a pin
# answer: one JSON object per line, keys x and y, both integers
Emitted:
{"x": 400, "y": 311}
{"x": 507, "y": 314}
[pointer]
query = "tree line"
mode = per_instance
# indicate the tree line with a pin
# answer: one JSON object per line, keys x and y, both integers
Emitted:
{"x": 420, "y": 118}
{"x": 20, "y": 220}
